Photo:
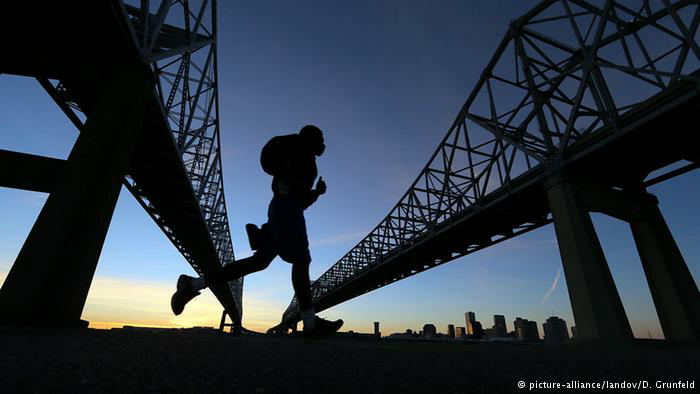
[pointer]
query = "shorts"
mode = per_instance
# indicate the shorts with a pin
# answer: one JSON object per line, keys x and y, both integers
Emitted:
{"x": 287, "y": 230}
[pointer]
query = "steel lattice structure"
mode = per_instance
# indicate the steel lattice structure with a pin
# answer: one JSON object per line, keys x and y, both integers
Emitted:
{"x": 178, "y": 40}
{"x": 558, "y": 81}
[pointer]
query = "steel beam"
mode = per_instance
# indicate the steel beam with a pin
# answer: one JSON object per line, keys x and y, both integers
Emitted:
{"x": 29, "y": 172}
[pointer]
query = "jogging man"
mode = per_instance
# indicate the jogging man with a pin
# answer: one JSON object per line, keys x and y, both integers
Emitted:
{"x": 291, "y": 159}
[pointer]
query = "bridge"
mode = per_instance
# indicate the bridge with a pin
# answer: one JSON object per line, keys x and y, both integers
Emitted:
{"x": 551, "y": 132}
{"x": 582, "y": 106}
{"x": 139, "y": 82}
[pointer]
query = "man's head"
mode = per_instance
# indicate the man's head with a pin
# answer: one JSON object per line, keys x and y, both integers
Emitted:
{"x": 313, "y": 138}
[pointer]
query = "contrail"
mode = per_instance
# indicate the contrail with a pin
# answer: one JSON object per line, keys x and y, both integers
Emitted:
{"x": 551, "y": 289}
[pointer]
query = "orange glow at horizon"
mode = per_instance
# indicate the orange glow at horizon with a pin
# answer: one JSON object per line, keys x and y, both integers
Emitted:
{"x": 117, "y": 302}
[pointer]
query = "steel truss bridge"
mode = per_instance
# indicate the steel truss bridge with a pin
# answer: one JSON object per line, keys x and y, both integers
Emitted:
{"x": 579, "y": 104}
{"x": 138, "y": 79}
{"x": 580, "y": 107}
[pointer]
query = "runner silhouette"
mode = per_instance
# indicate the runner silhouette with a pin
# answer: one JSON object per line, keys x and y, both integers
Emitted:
{"x": 291, "y": 160}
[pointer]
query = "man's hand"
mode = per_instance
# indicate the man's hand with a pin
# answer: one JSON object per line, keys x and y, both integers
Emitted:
{"x": 320, "y": 186}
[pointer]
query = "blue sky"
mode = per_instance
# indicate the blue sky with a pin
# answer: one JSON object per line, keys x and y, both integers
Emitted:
{"x": 384, "y": 80}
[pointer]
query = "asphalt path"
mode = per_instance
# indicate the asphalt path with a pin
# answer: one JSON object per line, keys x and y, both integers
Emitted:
{"x": 96, "y": 361}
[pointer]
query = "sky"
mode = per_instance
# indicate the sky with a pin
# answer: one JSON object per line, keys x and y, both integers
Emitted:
{"x": 384, "y": 80}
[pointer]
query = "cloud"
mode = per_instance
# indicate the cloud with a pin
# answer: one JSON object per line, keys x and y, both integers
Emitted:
{"x": 334, "y": 239}
{"x": 552, "y": 288}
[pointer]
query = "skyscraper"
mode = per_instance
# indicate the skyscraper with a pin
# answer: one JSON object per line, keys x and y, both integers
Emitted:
{"x": 532, "y": 332}
{"x": 470, "y": 317}
{"x": 499, "y": 326}
{"x": 555, "y": 330}
{"x": 460, "y": 332}
{"x": 429, "y": 330}
{"x": 450, "y": 330}
{"x": 526, "y": 330}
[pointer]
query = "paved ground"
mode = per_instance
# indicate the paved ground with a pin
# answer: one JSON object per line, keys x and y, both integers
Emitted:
{"x": 93, "y": 361}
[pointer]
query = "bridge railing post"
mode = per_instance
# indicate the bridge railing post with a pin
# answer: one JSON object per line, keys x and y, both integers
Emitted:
{"x": 50, "y": 279}
{"x": 595, "y": 302}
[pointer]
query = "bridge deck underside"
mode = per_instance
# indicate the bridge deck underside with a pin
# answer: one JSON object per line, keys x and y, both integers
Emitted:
{"x": 69, "y": 54}
{"x": 653, "y": 135}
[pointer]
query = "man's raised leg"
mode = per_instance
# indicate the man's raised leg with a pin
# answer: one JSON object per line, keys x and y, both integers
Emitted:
{"x": 189, "y": 287}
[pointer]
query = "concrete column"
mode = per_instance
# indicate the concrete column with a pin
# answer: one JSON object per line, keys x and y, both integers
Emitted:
{"x": 222, "y": 323}
{"x": 673, "y": 289}
{"x": 50, "y": 279}
{"x": 596, "y": 305}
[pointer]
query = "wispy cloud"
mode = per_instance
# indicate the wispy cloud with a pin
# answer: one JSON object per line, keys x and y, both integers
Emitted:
{"x": 552, "y": 288}
{"x": 517, "y": 244}
{"x": 334, "y": 239}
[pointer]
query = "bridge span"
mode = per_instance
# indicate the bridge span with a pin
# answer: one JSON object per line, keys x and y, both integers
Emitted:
{"x": 139, "y": 82}
{"x": 550, "y": 133}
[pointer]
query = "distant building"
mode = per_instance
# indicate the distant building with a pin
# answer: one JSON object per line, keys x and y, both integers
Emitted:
{"x": 477, "y": 330}
{"x": 499, "y": 326}
{"x": 429, "y": 330}
{"x": 450, "y": 330}
{"x": 376, "y": 330}
{"x": 470, "y": 318}
{"x": 460, "y": 332}
{"x": 555, "y": 330}
{"x": 526, "y": 330}
{"x": 532, "y": 332}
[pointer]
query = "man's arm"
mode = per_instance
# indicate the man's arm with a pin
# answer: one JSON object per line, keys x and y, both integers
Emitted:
{"x": 313, "y": 194}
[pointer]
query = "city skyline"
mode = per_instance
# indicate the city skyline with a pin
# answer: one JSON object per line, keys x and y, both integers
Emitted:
{"x": 385, "y": 91}
{"x": 559, "y": 328}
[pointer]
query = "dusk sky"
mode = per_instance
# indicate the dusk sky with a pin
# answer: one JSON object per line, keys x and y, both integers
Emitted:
{"x": 384, "y": 80}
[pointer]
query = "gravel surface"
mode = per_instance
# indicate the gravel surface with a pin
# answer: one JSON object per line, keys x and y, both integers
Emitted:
{"x": 121, "y": 361}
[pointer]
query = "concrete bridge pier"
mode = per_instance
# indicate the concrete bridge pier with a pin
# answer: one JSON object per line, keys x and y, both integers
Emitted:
{"x": 673, "y": 289}
{"x": 50, "y": 279}
{"x": 595, "y": 302}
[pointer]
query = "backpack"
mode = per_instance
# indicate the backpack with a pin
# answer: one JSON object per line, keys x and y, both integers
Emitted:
{"x": 276, "y": 152}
